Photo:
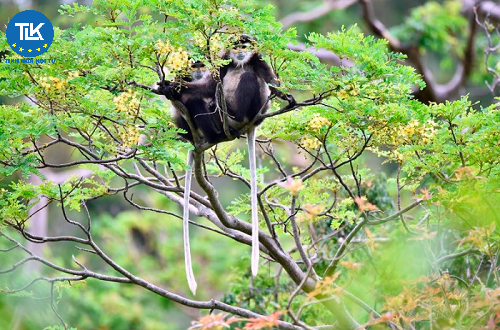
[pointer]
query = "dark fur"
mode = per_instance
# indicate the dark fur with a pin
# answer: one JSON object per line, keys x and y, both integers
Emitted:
{"x": 199, "y": 100}
{"x": 256, "y": 64}
{"x": 249, "y": 95}
{"x": 248, "y": 101}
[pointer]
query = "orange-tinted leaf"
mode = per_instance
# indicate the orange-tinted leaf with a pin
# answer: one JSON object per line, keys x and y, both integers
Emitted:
{"x": 293, "y": 186}
{"x": 351, "y": 265}
{"x": 325, "y": 286}
{"x": 264, "y": 322}
{"x": 364, "y": 205}
{"x": 212, "y": 322}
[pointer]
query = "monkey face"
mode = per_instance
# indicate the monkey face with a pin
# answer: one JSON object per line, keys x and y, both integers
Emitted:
{"x": 199, "y": 72}
{"x": 241, "y": 53}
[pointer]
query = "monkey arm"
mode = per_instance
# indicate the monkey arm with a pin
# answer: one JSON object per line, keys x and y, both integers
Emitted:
{"x": 263, "y": 70}
{"x": 168, "y": 89}
{"x": 284, "y": 96}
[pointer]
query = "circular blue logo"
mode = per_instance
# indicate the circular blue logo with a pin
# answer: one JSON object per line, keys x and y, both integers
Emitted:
{"x": 30, "y": 33}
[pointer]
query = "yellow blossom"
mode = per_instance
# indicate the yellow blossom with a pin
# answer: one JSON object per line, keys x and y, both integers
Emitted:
{"x": 52, "y": 83}
{"x": 342, "y": 94}
{"x": 216, "y": 46}
{"x": 127, "y": 102}
{"x": 163, "y": 48}
{"x": 178, "y": 60}
{"x": 414, "y": 131}
{"x": 310, "y": 143}
{"x": 130, "y": 136}
{"x": 318, "y": 122}
{"x": 199, "y": 40}
{"x": 398, "y": 156}
{"x": 73, "y": 75}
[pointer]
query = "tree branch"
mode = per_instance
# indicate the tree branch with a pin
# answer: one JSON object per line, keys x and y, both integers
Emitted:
{"x": 315, "y": 13}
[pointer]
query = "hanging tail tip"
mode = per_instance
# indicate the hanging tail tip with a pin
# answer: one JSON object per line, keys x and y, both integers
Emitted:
{"x": 192, "y": 286}
{"x": 255, "y": 252}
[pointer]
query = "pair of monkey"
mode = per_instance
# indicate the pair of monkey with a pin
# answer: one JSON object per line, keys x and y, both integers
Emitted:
{"x": 246, "y": 94}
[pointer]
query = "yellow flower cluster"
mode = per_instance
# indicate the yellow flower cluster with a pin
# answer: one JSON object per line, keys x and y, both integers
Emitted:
{"x": 52, "y": 83}
{"x": 412, "y": 132}
{"x": 349, "y": 90}
{"x": 199, "y": 40}
{"x": 310, "y": 143}
{"x": 55, "y": 84}
{"x": 73, "y": 75}
{"x": 216, "y": 45}
{"x": 178, "y": 60}
{"x": 398, "y": 156}
{"x": 163, "y": 48}
{"x": 415, "y": 130}
{"x": 127, "y": 102}
{"x": 317, "y": 122}
{"x": 130, "y": 136}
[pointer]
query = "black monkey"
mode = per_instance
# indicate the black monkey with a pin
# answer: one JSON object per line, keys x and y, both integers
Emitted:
{"x": 245, "y": 83}
{"x": 197, "y": 93}
{"x": 247, "y": 93}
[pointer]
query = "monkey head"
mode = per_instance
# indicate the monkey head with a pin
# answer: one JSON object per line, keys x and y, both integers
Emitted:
{"x": 242, "y": 50}
{"x": 199, "y": 73}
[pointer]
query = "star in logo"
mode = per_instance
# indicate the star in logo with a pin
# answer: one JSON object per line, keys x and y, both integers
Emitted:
{"x": 38, "y": 49}
{"x": 45, "y": 46}
{"x": 21, "y": 49}
{"x": 14, "y": 45}
{"x": 29, "y": 50}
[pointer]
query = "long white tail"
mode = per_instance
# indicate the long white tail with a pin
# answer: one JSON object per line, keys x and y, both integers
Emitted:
{"x": 185, "y": 224}
{"x": 253, "y": 195}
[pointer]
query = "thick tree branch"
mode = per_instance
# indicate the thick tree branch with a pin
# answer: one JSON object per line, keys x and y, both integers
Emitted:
{"x": 315, "y": 13}
{"x": 322, "y": 54}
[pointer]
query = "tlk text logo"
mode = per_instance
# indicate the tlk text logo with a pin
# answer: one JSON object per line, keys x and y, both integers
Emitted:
{"x": 28, "y": 33}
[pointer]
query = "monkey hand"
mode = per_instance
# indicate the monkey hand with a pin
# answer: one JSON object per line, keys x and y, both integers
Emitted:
{"x": 212, "y": 106}
{"x": 290, "y": 99}
{"x": 285, "y": 97}
{"x": 166, "y": 88}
